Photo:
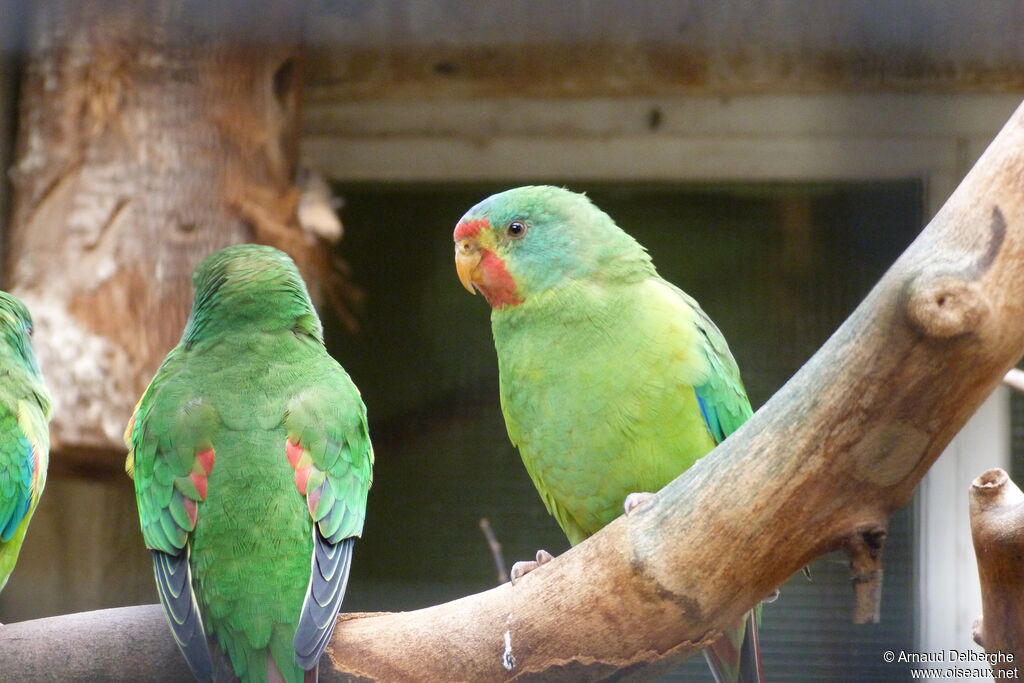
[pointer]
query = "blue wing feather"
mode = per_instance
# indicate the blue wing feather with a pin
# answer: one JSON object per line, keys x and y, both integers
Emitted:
{"x": 722, "y": 399}
{"x": 16, "y": 492}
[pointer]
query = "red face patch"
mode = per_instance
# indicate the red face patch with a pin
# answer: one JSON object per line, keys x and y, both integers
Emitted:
{"x": 498, "y": 286}
{"x": 469, "y": 229}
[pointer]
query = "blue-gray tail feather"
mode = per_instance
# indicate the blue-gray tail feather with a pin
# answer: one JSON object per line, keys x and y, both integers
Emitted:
{"x": 174, "y": 585}
{"x": 327, "y": 581}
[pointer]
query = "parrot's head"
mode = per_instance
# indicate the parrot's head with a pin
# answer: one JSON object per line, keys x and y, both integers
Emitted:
{"x": 517, "y": 244}
{"x": 16, "y": 331}
{"x": 249, "y": 287}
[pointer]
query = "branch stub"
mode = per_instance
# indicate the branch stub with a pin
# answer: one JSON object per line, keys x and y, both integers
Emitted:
{"x": 946, "y": 306}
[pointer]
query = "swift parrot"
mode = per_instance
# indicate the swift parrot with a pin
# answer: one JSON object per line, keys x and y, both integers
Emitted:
{"x": 612, "y": 380}
{"x": 252, "y": 461}
{"x": 24, "y": 431}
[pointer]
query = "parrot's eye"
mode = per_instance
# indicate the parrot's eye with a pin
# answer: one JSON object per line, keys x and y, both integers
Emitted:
{"x": 29, "y": 329}
{"x": 516, "y": 229}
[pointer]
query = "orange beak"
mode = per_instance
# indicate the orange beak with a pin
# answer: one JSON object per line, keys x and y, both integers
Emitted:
{"x": 467, "y": 262}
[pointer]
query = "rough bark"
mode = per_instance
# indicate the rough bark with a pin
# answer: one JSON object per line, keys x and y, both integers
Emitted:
{"x": 151, "y": 133}
{"x": 997, "y": 526}
{"x": 820, "y": 466}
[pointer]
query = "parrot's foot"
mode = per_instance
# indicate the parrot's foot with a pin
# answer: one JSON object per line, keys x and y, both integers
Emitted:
{"x": 521, "y": 569}
{"x": 635, "y": 500}
{"x": 772, "y": 598}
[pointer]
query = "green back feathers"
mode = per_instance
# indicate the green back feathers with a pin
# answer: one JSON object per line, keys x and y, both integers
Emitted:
{"x": 252, "y": 461}
{"x": 252, "y": 285}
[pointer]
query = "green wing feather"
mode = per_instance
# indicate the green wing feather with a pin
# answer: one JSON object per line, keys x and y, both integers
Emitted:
{"x": 722, "y": 398}
{"x": 329, "y": 422}
{"x": 329, "y": 447}
{"x": 169, "y": 428}
{"x": 162, "y": 446}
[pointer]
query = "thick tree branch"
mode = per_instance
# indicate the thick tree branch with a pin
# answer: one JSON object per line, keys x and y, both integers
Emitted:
{"x": 997, "y": 526}
{"x": 826, "y": 460}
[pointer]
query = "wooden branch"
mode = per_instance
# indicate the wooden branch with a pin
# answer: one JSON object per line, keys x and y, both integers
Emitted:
{"x": 840, "y": 447}
{"x": 997, "y": 526}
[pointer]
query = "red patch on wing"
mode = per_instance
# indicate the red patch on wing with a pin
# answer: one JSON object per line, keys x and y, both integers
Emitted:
{"x": 190, "y": 509}
{"x": 301, "y": 479}
{"x": 206, "y": 459}
{"x": 467, "y": 229}
{"x": 200, "y": 483}
{"x": 294, "y": 451}
{"x": 498, "y": 286}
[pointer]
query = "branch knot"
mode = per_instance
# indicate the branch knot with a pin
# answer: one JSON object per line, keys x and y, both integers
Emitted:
{"x": 946, "y": 306}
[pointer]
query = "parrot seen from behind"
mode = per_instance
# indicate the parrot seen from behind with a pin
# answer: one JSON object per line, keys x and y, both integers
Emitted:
{"x": 24, "y": 431}
{"x": 612, "y": 380}
{"x": 252, "y": 461}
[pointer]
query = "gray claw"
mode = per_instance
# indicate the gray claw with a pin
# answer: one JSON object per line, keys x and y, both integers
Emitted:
{"x": 635, "y": 500}
{"x": 521, "y": 569}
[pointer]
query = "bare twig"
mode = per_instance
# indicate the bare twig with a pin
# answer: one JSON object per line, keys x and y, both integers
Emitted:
{"x": 495, "y": 545}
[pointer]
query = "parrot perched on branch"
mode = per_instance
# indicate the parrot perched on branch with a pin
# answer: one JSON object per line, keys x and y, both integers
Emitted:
{"x": 252, "y": 461}
{"x": 613, "y": 381}
{"x": 24, "y": 431}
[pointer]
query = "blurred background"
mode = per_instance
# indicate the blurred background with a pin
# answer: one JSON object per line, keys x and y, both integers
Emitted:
{"x": 775, "y": 157}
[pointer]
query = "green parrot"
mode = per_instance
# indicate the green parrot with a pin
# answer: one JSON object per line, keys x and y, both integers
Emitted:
{"x": 252, "y": 462}
{"x": 613, "y": 381}
{"x": 24, "y": 431}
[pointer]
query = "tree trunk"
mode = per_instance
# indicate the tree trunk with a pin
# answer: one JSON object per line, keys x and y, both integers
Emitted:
{"x": 151, "y": 133}
{"x": 821, "y": 466}
{"x": 997, "y": 525}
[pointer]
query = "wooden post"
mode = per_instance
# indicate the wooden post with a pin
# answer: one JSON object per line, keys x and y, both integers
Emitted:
{"x": 152, "y": 132}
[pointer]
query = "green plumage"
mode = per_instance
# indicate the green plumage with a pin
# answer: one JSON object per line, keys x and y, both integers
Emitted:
{"x": 24, "y": 431}
{"x": 612, "y": 380}
{"x": 251, "y": 382}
